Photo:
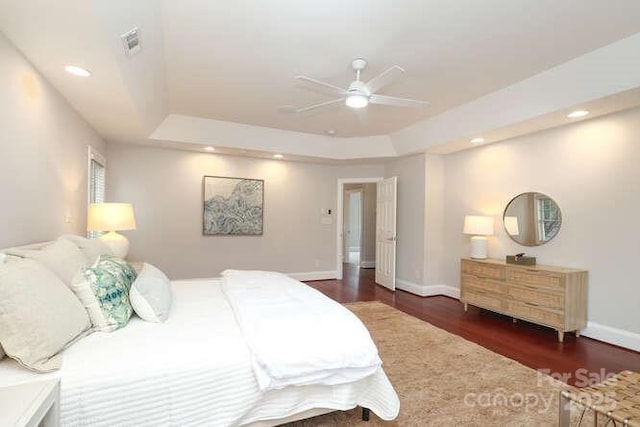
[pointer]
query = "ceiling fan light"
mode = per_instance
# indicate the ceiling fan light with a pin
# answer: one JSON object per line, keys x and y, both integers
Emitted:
{"x": 357, "y": 101}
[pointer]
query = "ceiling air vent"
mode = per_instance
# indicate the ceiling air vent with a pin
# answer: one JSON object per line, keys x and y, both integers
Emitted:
{"x": 131, "y": 42}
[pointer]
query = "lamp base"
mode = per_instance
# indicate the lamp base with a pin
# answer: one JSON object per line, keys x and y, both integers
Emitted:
{"x": 118, "y": 244}
{"x": 478, "y": 247}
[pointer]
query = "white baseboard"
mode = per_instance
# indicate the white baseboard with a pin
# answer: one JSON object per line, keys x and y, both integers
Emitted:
{"x": 594, "y": 330}
{"x": 450, "y": 291}
{"x": 367, "y": 264}
{"x": 612, "y": 335}
{"x": 314, "y": 275}
{"x": 427, "y": 291}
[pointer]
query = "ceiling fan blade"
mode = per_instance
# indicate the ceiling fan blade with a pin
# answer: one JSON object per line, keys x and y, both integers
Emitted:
{"x": 397, "y": 102}
{"x": 286, "y": 109}
{"x": 314, "y": 106}
{"x": 323, "y": 87}
{"x": 385, "y": 78}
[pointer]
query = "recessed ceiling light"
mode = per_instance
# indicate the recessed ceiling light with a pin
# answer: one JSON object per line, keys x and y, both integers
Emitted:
{"x": 209, "y": 149}
{"x": 477, "y": 140}
{"x": 331, "y": 132}
{"x": 578, "y": 113}
{"x": 278, "y": 156}
{"x": 77, "y": 71}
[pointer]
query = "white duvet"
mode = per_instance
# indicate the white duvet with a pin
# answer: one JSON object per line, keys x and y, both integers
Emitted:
{"x": 297, "y": 335}
{"x": 193, "y": 370}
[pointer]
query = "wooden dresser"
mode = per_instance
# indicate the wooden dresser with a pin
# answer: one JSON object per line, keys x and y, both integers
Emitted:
{"x": 549, "y": 296}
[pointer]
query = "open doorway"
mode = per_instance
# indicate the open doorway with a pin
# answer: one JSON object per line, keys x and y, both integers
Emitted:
{"x": 356, "y": 217}
{"x": 352, "y": 223}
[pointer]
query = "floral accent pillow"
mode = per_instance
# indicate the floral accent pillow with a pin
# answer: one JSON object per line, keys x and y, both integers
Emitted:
{"x": 103, "y": 289}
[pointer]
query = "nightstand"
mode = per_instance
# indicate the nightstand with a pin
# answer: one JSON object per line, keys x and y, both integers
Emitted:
{"x": 30, "y": 404}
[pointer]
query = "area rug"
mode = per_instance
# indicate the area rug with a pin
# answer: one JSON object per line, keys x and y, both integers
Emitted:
{"x": 445, "y": 380}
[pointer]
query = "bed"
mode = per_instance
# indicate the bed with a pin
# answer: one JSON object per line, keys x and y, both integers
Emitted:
{"x": 194, "y": 369}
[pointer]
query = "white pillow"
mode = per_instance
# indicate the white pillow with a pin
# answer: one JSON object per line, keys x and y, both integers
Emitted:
{"x": 92, "y": 248}
{"x": 63, "y": 258}
{"x": 39, "y": 315}
{"x": 150, "y": 294}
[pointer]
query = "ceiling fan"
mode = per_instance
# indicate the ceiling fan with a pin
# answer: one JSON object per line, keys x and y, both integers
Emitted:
{"x": 359, "y": 94}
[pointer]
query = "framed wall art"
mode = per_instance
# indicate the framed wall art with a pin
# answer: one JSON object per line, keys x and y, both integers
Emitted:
{"x": 232, "y": 206}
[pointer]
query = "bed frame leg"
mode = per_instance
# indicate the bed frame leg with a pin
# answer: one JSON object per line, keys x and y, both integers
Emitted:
{"x": 365, "y": 414}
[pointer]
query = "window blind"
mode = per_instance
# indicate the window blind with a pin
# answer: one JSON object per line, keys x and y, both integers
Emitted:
{"x": 96, "y": 187}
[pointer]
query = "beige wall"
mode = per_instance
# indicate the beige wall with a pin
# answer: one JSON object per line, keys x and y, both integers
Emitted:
{"x": 591, "y": 170}
{"x": 433, "y": 220}
{"x": 411, "y": 204}
{"x": 43, "y": 156}
{"x": 166, "y": 188}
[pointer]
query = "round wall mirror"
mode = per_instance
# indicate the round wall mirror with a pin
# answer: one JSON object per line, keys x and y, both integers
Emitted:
{"x": 532, "y": 219}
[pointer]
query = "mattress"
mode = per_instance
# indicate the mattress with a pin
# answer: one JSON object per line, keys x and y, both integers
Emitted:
{"x": 194, "y": 369}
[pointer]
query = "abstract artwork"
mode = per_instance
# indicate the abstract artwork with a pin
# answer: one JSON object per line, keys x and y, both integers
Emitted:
{"x": 232, "y": 206}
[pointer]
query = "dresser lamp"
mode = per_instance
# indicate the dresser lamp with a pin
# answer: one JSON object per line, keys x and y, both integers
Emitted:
{"x": 479, "y": 227}
{"x": 112, "y": 217}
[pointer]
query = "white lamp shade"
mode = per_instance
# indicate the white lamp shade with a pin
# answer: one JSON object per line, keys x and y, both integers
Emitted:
{"x": 478, "y": 225}
{"x": 511, "y": 225}
{"x": 110, "y": 217}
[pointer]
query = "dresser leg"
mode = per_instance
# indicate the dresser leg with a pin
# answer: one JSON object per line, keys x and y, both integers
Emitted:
{"x": 465, "y": 306}
{"x": 577, "y": 334}
{"x": 561, "y": 336}
{"x": 514, "y": 320}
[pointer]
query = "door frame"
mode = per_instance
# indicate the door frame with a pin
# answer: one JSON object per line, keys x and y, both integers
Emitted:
{"x": 339, "y": 216}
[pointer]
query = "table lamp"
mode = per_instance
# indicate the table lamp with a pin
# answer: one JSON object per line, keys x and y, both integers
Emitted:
{"x": 112, "y": 217}
{"x": 479, "y": 227}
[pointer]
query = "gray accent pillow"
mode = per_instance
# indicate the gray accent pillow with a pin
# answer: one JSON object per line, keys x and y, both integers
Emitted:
{"x": 92, "y": 248}
{"x": 150, "y": 294}
{"x": 39, "y": 315}
{"x": 1, "y": 353}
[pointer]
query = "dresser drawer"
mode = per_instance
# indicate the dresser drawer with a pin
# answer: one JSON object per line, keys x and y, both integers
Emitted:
{"x": 483, "y": 270}
{"x": 480, "y": 299}
{"x": 536, "y": 278}
{"x": 536, "y": 314}
{"x": 536, "y": 296}
{"x": 482, "y": 284}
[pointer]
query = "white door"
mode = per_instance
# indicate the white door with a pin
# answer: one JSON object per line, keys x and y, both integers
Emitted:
{"x": 386, "y": 206}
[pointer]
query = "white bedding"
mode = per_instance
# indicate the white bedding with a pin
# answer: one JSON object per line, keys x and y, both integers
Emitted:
{"x": 195, "y": 369}
{"x": 297, "y": 335}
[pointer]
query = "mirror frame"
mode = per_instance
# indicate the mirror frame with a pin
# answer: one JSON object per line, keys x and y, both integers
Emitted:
{"x": 507, "y": 227}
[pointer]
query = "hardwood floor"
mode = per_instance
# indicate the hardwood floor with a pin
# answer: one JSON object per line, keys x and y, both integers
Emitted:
{"x": 576, "y": 361}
